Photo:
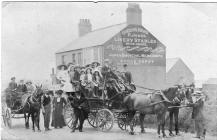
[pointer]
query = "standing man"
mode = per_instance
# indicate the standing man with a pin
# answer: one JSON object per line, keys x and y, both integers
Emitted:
{"x": 13, "y": 85}
{"x": 81, "y": 110}
{"x": 127, "y": 75}
{"x": 197, "y": 115}
{"x": 46, "y": 109}
{"x": 22, "y": 87}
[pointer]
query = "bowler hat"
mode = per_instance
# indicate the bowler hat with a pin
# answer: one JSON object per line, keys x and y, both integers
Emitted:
{"x": 59, "y": 92}
{"x": 12, "y": 78}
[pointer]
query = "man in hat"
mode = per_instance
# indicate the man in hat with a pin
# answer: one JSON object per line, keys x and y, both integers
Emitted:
{"x": 127, "y": 75}
{"x": 81, "y": 109}
{"x": 105, "y": 68}
{"x": 46, "y": 108}
{"x": 22, "y": 87}
{"x": 197, "y": 114}
{"x": 13, "y": 85}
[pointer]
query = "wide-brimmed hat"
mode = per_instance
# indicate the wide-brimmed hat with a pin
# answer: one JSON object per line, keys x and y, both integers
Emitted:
{"x": 197, "y": 93}
{"x": 60, "y": 66}
{"x": 88, "y": 68}
{"x": 98, "y": 64}
{"x": 88, "y": 65}
{"x": 70, "y": 63}
{"x": 12, "y": 78}
{"x": 59, "y": 92}
{"x": 28, "y": 82}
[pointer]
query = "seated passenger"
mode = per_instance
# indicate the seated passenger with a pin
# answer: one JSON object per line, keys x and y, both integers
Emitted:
{"x": 22, "y": 87}
{"x": 97, "y": 82}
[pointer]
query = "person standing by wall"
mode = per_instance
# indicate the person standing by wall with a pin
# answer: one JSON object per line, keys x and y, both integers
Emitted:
{"x": 46, "y": 109}
{"x": 59, "y": 103}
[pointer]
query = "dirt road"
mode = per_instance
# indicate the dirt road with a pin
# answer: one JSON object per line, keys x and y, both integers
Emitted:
{"x": 18, "y": 132}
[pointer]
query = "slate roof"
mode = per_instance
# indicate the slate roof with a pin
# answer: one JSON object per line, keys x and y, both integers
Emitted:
{"x": 95, "y": 38}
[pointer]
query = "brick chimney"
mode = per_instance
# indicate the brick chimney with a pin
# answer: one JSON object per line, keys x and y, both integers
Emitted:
{"x": 84, "y": 27}
{"x": 134, "y": 14}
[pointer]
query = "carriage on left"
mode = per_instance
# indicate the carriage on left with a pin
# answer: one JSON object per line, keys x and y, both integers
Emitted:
{"x": 12, "y": 106}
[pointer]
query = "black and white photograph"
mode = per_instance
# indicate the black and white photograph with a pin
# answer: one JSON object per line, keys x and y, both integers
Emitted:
{"x": 108, "y": 70}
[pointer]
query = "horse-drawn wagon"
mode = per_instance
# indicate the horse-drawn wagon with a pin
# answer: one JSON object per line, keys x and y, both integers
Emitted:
{"x": 103, "y": 112}
{"x": 12, "y": 106}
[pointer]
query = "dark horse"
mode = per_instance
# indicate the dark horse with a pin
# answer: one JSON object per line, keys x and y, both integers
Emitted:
{"x": 156, "y": 103}
{"x": 174, "y": 111}
{"x": 31, "y": 107}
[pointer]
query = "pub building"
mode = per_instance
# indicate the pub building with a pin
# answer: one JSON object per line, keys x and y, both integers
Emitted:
{"x": 128, "y": 42}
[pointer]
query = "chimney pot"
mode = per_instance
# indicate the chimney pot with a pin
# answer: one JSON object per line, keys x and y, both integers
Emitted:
{"x": 84, "y": 27}
{"x": 134, "y": 14}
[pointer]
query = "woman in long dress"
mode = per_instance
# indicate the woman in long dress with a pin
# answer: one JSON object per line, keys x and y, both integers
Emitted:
{"x": 64, "y": 77}
{"x": 59, "y": 103}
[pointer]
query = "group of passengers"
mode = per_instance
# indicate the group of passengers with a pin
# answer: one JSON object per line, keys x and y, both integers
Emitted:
{"x": 91, "y": 79}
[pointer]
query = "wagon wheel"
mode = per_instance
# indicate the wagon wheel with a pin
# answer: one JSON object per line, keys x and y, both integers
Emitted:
{"x": 122, "y": 121}
{"x": 105, "y": 120}
{"x": 69, "y": 115}
{"x": 4, "y": 115}
{"x": 92, "y": 119}
{"x": 8, "y": 118}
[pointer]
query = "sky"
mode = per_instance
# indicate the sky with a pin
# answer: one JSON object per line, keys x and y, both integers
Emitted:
{"x": 33, "y": 31}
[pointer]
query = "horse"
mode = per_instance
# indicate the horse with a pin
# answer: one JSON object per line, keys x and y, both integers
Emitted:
{"x": 31, "y": 107}
{"x": 174, "y": 111}
{"x": 156, "y": 103}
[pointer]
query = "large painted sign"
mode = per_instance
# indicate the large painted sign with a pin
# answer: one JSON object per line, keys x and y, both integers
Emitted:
{"x": 134, "y": 45}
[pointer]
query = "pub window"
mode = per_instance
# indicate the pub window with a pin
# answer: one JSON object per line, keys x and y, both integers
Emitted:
{"x": 79, "y": 59}
{"x": 73, "y": 58}
{"x": 63, "y": 59}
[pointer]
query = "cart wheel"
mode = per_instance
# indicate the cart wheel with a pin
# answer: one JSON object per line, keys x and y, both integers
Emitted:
{"x": 105, "y": 120}
{"x": 122, "y": 121}
{"x": 4, "y": 116}
{"x": 92, "y": 119}
{"x": 69, "y": 116}
{"x": 8, "y": 118}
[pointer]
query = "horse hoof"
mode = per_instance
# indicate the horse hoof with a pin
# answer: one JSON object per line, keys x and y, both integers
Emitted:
{"x": 131, "y": 133}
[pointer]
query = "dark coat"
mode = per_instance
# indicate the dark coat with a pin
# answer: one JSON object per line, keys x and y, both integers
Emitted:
{"x": 12, "y": 85}
{"x": 80, "y": 103}
{"x": 197, "y": 113}
{"x": 22, "y": 88}
{"x": 76, "y": 76}
{"x": 104, "y": 71}
{"x": 128, "y": 77}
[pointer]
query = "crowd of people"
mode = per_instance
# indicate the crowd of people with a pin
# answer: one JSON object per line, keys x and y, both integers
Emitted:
{"x": 91, "y": 79}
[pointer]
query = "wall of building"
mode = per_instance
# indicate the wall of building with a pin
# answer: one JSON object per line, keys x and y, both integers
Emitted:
{"x": 74, "y": 56}
{"x": 92, "y": 54}
{"x": 143, "y": 53}
{"x": 179, "y": 74}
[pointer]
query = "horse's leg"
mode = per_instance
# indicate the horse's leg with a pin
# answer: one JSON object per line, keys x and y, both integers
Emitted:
{"x": 38, "y": 120}
{"x": 141, "y": 117}
{"x": 171, "y": 112}
{"x": 163, "y": 123}
{"x": 131, "y": 116}
{"x": 159, "y": 124}
{"x": 27, "y": 121}
{"x": 33, "y": 121}
{"x": 176, "y": 115}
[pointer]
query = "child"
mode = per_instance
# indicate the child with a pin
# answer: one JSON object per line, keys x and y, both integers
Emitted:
{"x": 197, "y": 114}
